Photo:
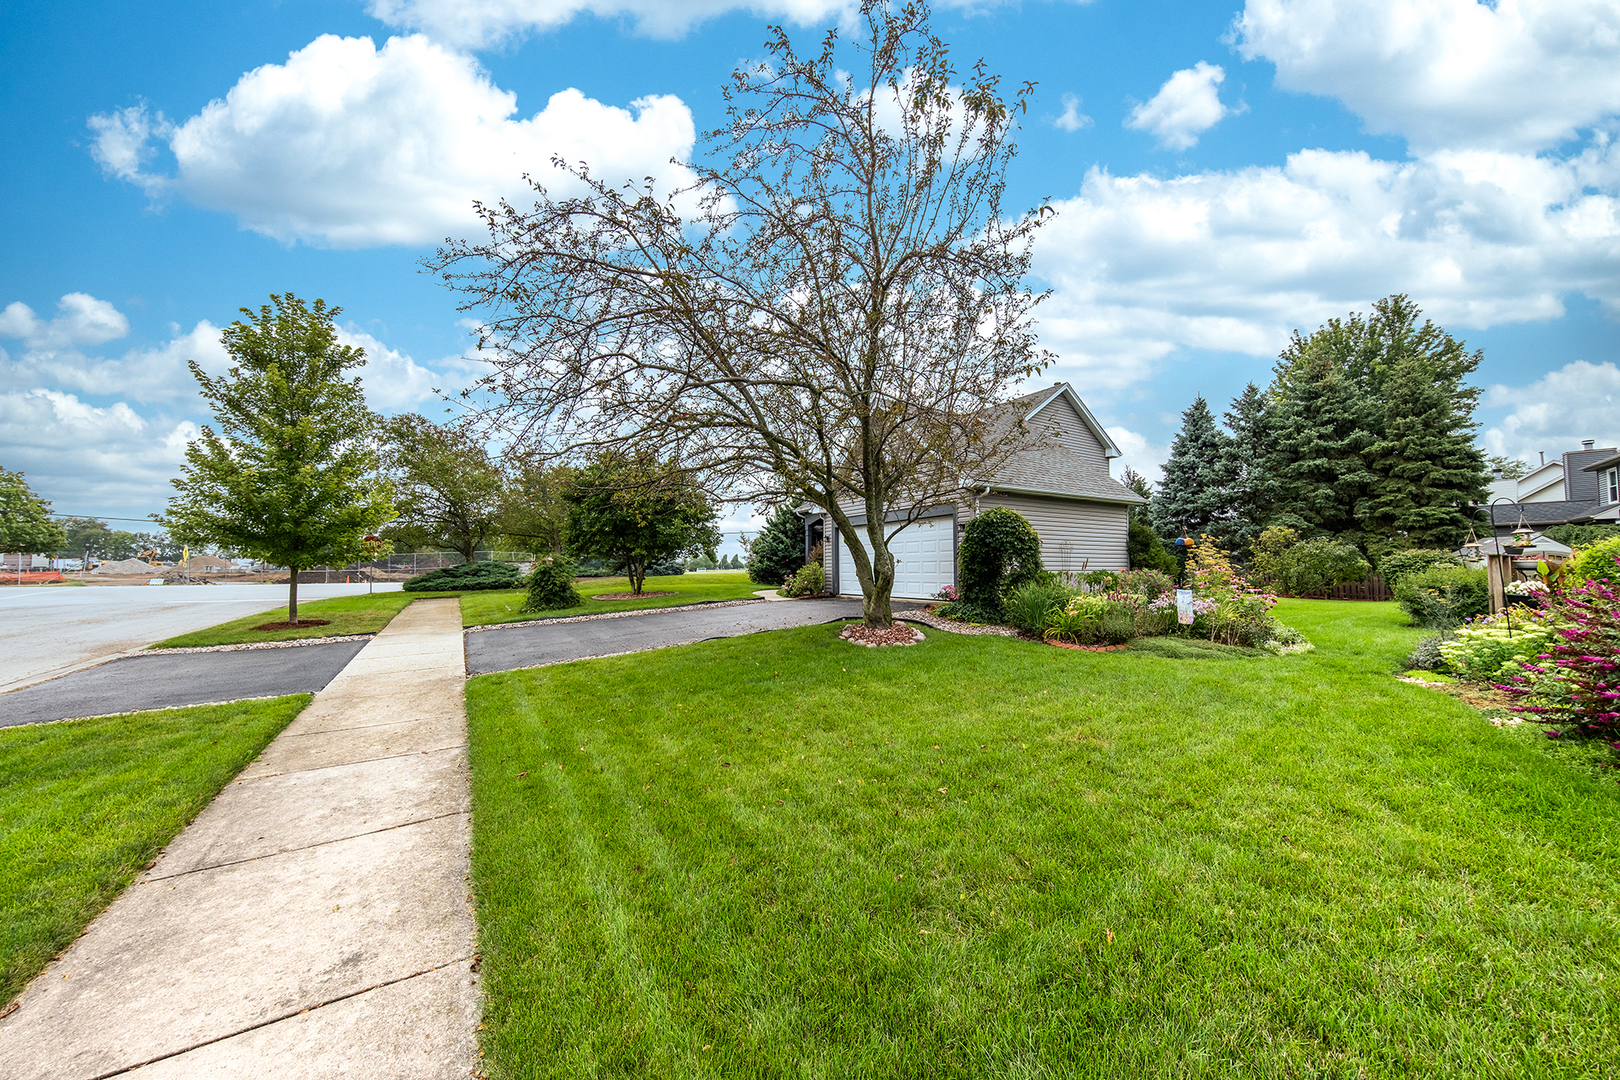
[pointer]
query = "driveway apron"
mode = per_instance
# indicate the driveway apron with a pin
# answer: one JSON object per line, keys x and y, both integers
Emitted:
{"x": 314, "y": 921}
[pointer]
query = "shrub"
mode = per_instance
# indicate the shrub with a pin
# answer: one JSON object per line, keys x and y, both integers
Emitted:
{"x": 551, "y": 586}
{"x": 1399, "y": 564}
{"x": 1146, "y": 551}
{"x": 1308, "y": 568}
{"x": 809, "y": 580}
{"x": 778, "y": 551}
{"x": 1098, "y": 581}
{"x": 1496, "y": 647}
{"x": 466, "y": 578}
{"x": 969, "y": 612}
{"x": 1580, "y": 535}
{"x": 1028, "y": 605}
{"x": 1579, "y": 684}
{"x": 1000, "y": 551}
{"x": 1592, "y": 564}
{"x": 1427, "y": 655}
{"x": 669, "y": 567}
{"x": 1443, "y": 596}
{"x": 1285, "y": 640}
{"x": 1148, "y": 584}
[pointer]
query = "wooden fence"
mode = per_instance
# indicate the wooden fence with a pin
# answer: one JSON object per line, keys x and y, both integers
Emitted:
{"x": 1371, "y": 588}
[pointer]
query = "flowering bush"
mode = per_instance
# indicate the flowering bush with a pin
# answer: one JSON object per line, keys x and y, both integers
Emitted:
{"x": 1093, "y": 619}
{"x": 1576, "y": 683}
{"x": 808, "y": 580}
{"x": 948, "y": 594}
{"x": 1495, "y": 646}
{"x": 1149, "y": 584}
{"x": 1525, "y": 588}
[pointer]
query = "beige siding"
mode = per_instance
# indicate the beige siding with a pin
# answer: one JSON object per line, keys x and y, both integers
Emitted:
{"x": 1073, "y": 432}
{"x": 1074, "y": 535}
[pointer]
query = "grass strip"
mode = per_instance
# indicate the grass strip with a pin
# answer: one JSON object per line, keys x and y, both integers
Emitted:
{"x": 506, "y": 605}
{"x": 782, "y": 855}
{"x": 366, "y": 613}
{"x": 86, "y": 804}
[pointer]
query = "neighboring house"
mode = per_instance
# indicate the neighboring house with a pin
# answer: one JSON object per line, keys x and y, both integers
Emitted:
{"x": 1060, "y": 482}
{"x": 1580, "y": 487}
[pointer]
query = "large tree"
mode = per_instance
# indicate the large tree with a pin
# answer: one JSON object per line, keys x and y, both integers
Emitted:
{"x": 632, "y": 510}
{"x": 446, "y": 488}
{"x": 289, "y": 476}
{"x": 1323, "y": 423}
{"x": 1246, "y": 468}
{"x": 534, "y": 513}
{"x": 824, "y": 316}
{"x": 25, "y": 519}
{"x": 1191, "y": 498}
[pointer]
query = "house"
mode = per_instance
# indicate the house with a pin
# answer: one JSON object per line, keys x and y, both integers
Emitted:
{"x": 1579, "y": 487}
{"x": 1060, "y": 482}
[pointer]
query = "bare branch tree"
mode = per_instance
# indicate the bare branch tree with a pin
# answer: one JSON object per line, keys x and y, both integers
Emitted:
{"x": 826, "y": 315}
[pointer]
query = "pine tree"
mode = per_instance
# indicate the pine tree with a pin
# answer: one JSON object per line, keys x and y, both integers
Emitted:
{"x": 1191, "y": 498}
{"x": 1427, "y": 470}
{"x": 1320, "y": 433}
{"x": 1251, "y": 489}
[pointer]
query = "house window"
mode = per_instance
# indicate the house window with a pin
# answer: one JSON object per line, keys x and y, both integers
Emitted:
{"x": 1612, "y": 479}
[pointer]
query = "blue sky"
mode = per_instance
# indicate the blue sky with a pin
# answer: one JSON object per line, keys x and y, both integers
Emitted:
{"x": 1224, "y": 172}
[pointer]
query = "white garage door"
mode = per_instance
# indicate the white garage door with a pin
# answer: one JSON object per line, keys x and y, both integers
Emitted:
{"x": 924, "y": 560}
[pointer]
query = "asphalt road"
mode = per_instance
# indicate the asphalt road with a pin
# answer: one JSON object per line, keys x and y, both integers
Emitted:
{"x": 531, "y": 646}
{"x": 46, "y": 632}
{"x": 166, "y": 680}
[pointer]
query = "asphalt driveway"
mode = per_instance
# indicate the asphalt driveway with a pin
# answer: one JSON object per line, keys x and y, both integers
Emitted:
{"x": 505, "y": 648}
{"x": 167, "y": 680}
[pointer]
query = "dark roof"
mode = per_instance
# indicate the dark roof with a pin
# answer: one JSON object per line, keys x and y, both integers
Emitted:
{"x": 1543, "y": 513}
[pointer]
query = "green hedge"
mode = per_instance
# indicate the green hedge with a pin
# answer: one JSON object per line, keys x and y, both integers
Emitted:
{"x": 466, "y": 578}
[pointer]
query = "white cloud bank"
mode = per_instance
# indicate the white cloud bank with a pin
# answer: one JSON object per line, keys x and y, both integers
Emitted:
{"x": 1186, "y": 106}
{"x": 349, "y": 145}
{"x": 1578, "y": 401}
{"x": 1509, "y": 75}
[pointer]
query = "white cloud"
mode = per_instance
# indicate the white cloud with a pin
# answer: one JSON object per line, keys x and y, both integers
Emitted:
{"x": 352, "y": 146}
{"x": 395, "y": 382}
{"x": 155, "y": 374}
{"x": 90, "y": 459}
{"x": 1578, "y": 401}
{"x": 84, "y": 320}
{"x": 1514, "y": 74}
{"x": 1071, "y": 119}
{"x": 1231, "y": 261}
{"x": 1138, "y": 453}
{"x": 1186, "y": 106}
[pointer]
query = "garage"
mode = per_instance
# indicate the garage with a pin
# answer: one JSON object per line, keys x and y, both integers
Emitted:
{"x": 924, "y": 560}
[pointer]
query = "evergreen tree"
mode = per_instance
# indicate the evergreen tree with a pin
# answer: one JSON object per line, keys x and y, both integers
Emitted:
{"x": 1320, "y": 433}
{"x": 1427, "y": 471}
{"x": 1246, "y": 468}
{"x": 290, "y": 477}
{"x": 1192, "y": 497}
{"x": 779, "y": 549}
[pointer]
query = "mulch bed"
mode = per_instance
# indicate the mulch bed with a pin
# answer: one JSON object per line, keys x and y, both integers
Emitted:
{"x": 630, "y": 595}
{"x": 299, "y": 625}
{"x": 1087, "y": 648}
{"x": 897, "y": 634}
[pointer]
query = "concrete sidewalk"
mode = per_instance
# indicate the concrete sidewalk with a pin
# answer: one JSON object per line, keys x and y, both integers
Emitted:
{"x": 314, "y": 921}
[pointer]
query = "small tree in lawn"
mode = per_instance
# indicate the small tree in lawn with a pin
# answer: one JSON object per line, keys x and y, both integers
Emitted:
{"x": 446, "y": 488}
{"x": 779, "y": 550}
{"x": 289, "y": 477}
{"x": 25, "y": 519}
{"x": 824, "y": 317}
{"x": 631, "y": 509}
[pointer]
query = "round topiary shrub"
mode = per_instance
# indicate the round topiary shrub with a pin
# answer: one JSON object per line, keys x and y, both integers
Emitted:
{"x": 1000, "y": 551}
{"x": 551, "y": 586}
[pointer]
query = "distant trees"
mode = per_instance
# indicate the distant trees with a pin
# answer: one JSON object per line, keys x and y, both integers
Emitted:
{"x": 290, "y": 473}
{"x": 632, "y": 509}
{"x": 448, "y": 491}
{"x": 1366, "y": 434}
{"x": 25, "y": 522}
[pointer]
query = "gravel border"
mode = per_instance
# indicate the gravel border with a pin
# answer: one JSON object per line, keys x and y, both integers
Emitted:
{"x": 245, "y": 646}
{"x": 614, "y": 615}
{"x": 928, "y": 618}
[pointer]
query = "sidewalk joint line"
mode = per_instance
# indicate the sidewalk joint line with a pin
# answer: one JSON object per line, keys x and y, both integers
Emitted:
{"x": 362, "y": 761}
{"x": 278, "y": 1019}
{"x": 306, "y": 847}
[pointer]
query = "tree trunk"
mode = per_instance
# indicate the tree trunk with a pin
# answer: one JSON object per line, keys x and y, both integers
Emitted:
{"x": 637, "y": 569}
{"x": 876, "y": 610}
{"x": 292, "y": 594}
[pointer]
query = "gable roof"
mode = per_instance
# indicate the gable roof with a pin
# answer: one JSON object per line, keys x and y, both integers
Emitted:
{"x": 1040, "y": 399}
{"x": 1047, "y": 467}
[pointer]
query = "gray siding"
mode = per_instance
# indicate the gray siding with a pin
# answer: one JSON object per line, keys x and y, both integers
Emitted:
{"x": 1073, "y": 432}
{"x": 1074, "y": 534}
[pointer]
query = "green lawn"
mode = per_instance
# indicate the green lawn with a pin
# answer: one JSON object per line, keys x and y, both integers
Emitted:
{"x": 499, "y": 606}
{"x": 365, "y": 613}
{"x": 85, "y": 805}
{"x": 783, "y": 855}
